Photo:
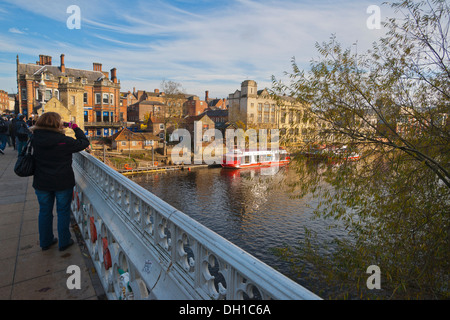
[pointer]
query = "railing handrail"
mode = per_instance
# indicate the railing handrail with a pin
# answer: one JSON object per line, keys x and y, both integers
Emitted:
{"x": 267, "y": 280}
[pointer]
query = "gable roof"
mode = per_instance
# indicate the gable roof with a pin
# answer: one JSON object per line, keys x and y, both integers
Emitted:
{"x": 28, "y": 68}
{"x": 127, "y": 135}
{"x": 192, "y": 119}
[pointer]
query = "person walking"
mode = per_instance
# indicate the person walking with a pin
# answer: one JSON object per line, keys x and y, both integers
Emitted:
{"x": 4, "y": 132}
{"x": 12, "y": 124}
{"x": 54, "y": 178}
{"x": 22, "y": 133}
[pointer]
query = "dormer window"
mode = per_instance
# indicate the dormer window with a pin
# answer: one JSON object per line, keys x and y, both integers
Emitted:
{"x": 47, "y": 76}
{"x": 70, "y": 79}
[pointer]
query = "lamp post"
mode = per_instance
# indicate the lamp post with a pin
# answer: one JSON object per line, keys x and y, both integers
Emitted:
{"x": 42, "y": 87}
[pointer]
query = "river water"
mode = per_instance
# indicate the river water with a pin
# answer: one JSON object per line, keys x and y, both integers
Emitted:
{"x": 252, "y": 209}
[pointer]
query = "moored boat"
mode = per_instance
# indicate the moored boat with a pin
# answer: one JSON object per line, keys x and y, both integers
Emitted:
{"x": 239, "y": 159}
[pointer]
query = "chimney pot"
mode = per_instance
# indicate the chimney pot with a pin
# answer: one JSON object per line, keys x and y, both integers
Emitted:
{"x": 114, "y": 75}
{"x": 97, "y": 66}
{"x": 63, "y": 66}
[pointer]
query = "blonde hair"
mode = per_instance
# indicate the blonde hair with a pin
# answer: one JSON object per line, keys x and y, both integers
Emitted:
{"x": 49, "y": 121}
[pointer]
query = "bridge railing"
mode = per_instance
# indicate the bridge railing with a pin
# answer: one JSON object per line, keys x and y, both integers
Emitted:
{"x": 143, "y": 248}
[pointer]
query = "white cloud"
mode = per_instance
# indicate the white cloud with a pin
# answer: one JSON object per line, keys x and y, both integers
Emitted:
{"x": 15, "y": 30}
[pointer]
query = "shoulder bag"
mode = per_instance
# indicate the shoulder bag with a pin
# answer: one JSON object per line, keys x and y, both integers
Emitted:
{"x": 25, "y": 162}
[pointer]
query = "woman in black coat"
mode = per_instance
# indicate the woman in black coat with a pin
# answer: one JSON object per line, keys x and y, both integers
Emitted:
{"x": 54, "y": 177}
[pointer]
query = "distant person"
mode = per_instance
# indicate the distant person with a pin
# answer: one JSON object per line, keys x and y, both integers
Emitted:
{"x": 4, "y": 133}
{"x": 12, "y": 124}
{"x": 21, "y": 132}
{"x": 54, "y": 177}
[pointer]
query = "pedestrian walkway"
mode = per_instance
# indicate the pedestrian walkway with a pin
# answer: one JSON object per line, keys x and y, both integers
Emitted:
{"x": 27, "y": 272}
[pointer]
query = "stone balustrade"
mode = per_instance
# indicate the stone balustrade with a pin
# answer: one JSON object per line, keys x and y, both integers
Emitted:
{"x": 143, "y": 248}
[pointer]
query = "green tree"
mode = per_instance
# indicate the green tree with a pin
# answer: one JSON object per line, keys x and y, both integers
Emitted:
{"x": 174, "y": 97}
{"x": 392, "y": 105}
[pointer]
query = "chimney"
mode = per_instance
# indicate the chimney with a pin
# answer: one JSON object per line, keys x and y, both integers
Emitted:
{"x": 41, "y": 59}
{"x": 206, "y": 95}
{"x": 63, "y": 66}
{"x": 156, "y": 91}
{"x": 49, "y": 60}
{"x": 114, "y": 75}
{"x": 97, "y": 66}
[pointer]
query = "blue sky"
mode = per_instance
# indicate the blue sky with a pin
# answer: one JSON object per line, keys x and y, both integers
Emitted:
{"x": 204, "y": 45}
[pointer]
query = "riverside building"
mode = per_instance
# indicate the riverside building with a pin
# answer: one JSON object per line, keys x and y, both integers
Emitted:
{"x": 88, "y": 97}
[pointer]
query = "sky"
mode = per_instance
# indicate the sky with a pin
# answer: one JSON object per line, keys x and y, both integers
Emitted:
{"x": 204, "y": 45}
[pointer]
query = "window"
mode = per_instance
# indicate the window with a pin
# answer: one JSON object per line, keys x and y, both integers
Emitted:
{"x": 70, "y": 79}
{"x": 85, "y": 98}
{"x": 161, "y": 127}
{"x": 105, "y": 116}
{"x": 98, "y": 116}
{"x": 259, "y": 106}
{"x": 56, "y": 93}
{"x": 86, "y": 116}
{"x": 24, "y": 94}
{"x": 98, "y": 98}
{"x": 105, "y": 98}
{"x": 47, "y": 76}
{"x": 48, "y": 94}
{"x": 73, "y": 100}
{"x": 266, "y": 107}
{"x": 111, "y": 96}
{"x": 124, "y": 143}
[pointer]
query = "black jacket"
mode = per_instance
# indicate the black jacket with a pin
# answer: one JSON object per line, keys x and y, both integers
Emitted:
{"x": 52, "y": 152}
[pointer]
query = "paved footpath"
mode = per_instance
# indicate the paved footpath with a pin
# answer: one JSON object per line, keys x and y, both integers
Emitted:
{"x": 27, "y": 272}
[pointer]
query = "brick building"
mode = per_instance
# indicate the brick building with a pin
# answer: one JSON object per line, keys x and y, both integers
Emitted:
{"x": 90, "y": 96}
{"x": 126, "y": 140}
{"x": 194, "y": 106}
{"x": 4, "y": 101}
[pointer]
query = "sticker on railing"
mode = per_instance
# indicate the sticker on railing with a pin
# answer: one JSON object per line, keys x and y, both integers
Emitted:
{"x": 147, "y": 266}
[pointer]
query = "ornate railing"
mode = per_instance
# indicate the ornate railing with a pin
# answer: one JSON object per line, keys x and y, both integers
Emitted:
{"x": 143, "y": 248}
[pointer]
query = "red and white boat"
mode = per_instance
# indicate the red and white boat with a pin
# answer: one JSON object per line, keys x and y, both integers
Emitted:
{"x": 239, "y": 159}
